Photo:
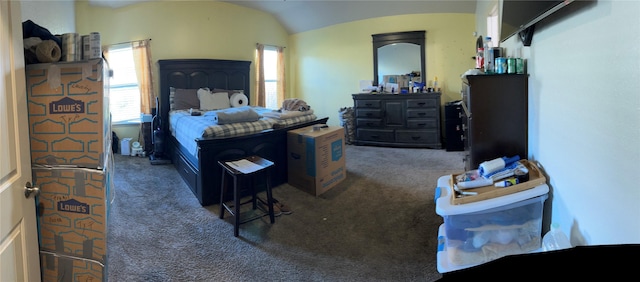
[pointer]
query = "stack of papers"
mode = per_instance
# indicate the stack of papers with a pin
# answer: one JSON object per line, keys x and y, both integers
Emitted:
{"x": 244, "y": 166}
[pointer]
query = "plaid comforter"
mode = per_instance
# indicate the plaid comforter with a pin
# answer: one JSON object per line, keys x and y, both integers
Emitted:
{"x": 187, "y": 128}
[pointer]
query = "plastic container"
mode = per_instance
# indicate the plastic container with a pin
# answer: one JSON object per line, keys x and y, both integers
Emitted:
{"x": 486, "y": 230}
{"x": 555, "y": 239}
{"x": 125, "y": 146}
{"x": 488, "y": 55}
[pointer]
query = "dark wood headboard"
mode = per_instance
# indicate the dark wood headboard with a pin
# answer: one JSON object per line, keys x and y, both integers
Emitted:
{"x": 199, "y": 73}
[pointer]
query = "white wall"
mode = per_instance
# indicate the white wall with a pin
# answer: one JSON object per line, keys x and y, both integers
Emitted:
{"x": 56, "y": 16}
{"x": 584, "y": 118}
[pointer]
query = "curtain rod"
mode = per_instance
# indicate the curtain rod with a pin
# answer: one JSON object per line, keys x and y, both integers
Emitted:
{"x": 130, "y": 41}
{"x": 270, "y": 45}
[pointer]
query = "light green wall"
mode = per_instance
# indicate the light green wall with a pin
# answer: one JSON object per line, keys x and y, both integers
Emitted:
{"x": 189, "y": 29}
{"x": 323, "y": 67}
{"x": 185, "y": 29}
{"x": 327, "y": 64}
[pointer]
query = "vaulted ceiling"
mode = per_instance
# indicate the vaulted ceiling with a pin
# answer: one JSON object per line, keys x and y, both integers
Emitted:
{"x": 304, "y": 15}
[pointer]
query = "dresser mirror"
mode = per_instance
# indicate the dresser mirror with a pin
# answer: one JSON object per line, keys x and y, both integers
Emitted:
{"x": 398, "y": 53}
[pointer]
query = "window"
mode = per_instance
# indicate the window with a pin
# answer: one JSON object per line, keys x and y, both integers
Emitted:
{"x": 271, "y": 77}
{"x": 492, "y": 26}
{"x": 124, "y": 94}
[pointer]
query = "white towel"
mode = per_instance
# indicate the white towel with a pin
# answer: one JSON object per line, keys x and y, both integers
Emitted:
{"x": 233, "y": 115}
{"x": 284, "y": 114}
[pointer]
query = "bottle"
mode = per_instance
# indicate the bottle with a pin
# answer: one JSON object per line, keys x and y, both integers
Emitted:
{"x": 488, "y": 55}
{"x": 480, "y": 59}
{"x": 436, "y": 88}
{"x": 555, "y": 239}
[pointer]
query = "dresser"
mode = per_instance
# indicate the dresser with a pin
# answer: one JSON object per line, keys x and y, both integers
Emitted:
{"x": 495, "y": 109}
{"x": 398, "y": 120}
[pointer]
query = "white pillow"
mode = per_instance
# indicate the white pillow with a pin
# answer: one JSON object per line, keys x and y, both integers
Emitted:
{"x": 213, "y": 101}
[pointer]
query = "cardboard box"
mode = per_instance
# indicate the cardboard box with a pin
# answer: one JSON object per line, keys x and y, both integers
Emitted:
{"x": 316, "y": 158}
{"x": 73, "y": 209}
{"x": 68, "y": 106}
{"x": 56, "y": 268}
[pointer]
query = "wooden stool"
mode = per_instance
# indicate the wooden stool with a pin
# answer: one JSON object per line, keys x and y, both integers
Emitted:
{"x": 241, "y": 170}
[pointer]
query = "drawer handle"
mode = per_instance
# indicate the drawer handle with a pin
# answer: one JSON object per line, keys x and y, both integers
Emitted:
{"x": 421, "y": 103}
{"x": 422, "y": 124}
{"x": 375, "y": 136}
{"x": 186, "y": 171}
{"x": 415, "y": 137}
{"x": 369, "y": 114}
{"x": 422, "y": 114}
{"x": 369, "y": 124}
{"x": 369, "y": 104}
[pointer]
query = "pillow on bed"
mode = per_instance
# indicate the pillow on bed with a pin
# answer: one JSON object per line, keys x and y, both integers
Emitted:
{"x": 213, "y": 101}
{"x": 184, "y": 99}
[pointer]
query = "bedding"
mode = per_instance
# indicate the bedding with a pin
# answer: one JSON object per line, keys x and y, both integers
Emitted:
{"x": 187, "y": 128}
{"x": 233, "y": 115}
{"x": 284, "y": 114}
{"x": 213, "y": 100}
{"x": 184, "y": 99}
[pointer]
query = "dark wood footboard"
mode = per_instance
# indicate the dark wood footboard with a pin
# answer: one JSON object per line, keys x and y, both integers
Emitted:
{"x": 203, "y": 175}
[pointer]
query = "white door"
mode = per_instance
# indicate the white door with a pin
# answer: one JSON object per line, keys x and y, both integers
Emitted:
{"x": 19, "y": 259}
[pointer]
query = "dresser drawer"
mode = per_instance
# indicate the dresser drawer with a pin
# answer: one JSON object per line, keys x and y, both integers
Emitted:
{"x": 417, "y": 136}
{"x": 368, "y": 122}
{"x": 368, "y": 113}
{"x": 422, "y": 103}
{"x": 422, "y": 113}
{"x": 380, "y": 135}
{"x": 368, "y": 104}
{"x": 422, "y": 123}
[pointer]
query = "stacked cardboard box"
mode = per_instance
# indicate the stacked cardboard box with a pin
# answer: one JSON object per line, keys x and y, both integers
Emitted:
{"x": 70, "y": 133}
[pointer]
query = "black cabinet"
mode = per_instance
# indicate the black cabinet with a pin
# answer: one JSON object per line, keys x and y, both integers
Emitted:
{"x": 398, "y": 120}
{"x": 454, "y": 126}
{"x": 495, "y": 108}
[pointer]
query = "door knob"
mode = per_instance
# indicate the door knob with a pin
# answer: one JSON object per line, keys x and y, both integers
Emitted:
{"x": 30, "y": 190}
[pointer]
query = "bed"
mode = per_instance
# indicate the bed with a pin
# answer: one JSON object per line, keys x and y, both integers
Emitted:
{"x": 196, "y": 158}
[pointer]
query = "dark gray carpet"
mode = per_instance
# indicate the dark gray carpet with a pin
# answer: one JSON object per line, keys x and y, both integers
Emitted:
{"x": 379, "y": 224}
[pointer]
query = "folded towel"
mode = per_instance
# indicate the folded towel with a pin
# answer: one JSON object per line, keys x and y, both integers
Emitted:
{"x": 284, "y": 114}
{"x": 233, "y": 115}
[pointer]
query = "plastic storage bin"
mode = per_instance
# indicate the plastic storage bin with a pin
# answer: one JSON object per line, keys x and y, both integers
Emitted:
{"x": 125, "y": 146}
{"x": 482, "y": 231}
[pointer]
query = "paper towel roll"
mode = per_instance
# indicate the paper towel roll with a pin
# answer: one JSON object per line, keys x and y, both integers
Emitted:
{"x": 491, "y": 166}
{"x": 238, "y": 100}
